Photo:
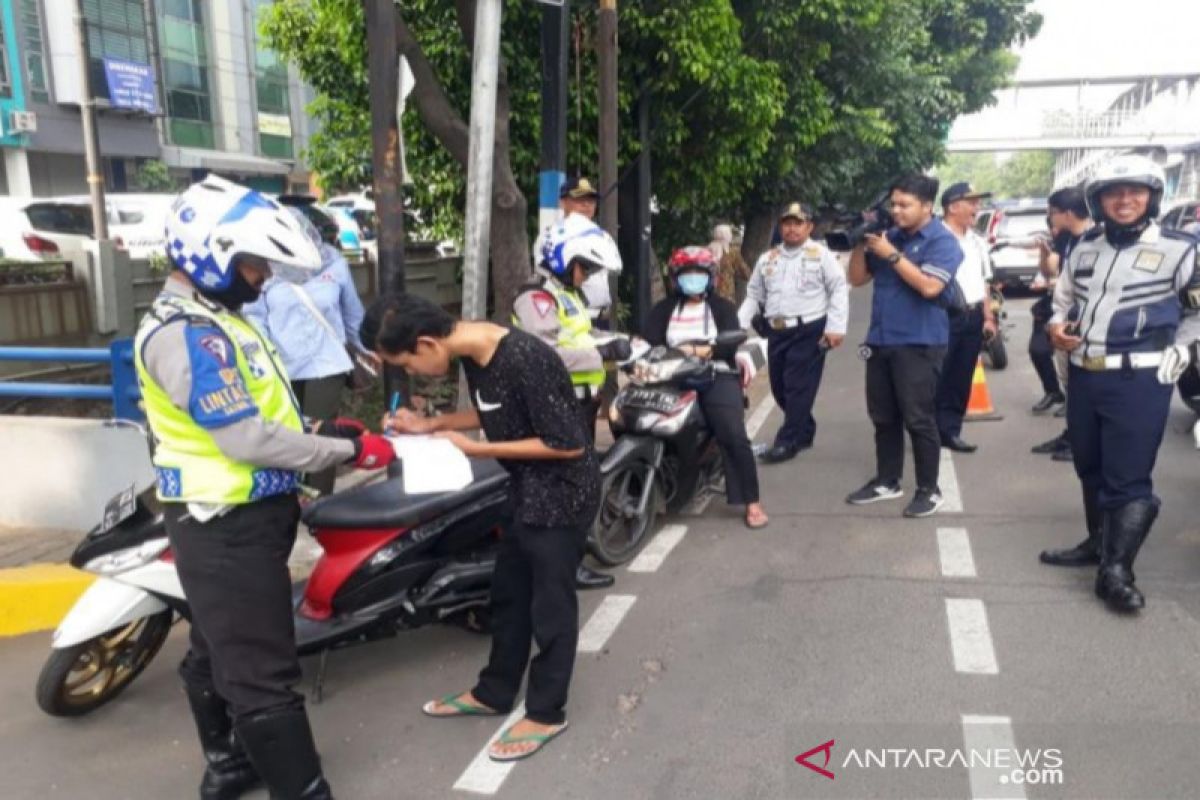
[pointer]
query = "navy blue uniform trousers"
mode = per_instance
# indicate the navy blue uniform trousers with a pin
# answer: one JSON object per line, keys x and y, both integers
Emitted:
{"x": 796, "y": 363}
{"x": 1116, "y": 420}
{"x": 958, "y": 369}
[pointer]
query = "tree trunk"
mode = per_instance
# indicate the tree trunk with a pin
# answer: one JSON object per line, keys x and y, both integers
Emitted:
{"x": 760, "y": 223}
{"x": 509, "y": 237}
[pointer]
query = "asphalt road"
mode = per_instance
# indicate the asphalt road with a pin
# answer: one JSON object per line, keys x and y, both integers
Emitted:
{"x": 936, "y": 655}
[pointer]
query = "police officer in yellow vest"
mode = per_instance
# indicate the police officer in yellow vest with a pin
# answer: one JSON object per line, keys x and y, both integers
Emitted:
{"x": 229, "y": 446}
{"x": 553, "y": 308}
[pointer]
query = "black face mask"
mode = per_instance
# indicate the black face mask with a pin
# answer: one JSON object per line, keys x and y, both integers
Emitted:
{"x": 238, "y": 294}
{"x": 1125, "y": 235}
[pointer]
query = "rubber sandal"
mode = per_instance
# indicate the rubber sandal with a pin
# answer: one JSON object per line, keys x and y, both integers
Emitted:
{"x": 540, "y": 739}
{"x": 756, "y": 526}
{"x": 461, "y": 709}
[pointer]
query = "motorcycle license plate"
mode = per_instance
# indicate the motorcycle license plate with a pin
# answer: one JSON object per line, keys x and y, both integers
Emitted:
{"x": 118, "y": 509}
{"x": 652, "y": 400}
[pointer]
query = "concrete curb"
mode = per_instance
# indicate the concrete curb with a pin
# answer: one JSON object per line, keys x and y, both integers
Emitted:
{"x": 36, "y": 597}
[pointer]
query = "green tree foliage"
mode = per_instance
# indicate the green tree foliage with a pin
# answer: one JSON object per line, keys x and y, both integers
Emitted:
{"x": 754, "y": 101}
{"x": 153, "y": 176}
{"x": 1028, "y": 173}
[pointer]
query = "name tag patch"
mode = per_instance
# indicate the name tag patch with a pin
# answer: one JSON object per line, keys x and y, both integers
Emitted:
{"x": 1148, "y": 261}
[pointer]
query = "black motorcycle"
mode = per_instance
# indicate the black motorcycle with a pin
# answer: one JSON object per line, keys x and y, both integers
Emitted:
{"x": 665, "y": 456}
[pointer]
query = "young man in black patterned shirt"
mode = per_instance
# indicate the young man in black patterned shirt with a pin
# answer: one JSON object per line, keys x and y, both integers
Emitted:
{"x": 525, "y": 404}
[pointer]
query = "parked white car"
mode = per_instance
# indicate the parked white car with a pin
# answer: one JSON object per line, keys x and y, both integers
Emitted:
{"x": 136, "y": 222}
{"x": 45, "y": 229}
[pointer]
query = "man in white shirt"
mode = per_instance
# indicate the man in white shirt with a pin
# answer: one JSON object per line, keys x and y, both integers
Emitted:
{"x": 969, "y": 327}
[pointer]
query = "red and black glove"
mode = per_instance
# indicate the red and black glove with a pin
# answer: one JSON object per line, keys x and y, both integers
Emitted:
{"x": 341, "y": 428}
{"x": 372, "y": 451}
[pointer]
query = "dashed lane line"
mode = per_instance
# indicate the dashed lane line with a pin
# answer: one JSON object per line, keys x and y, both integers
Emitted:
{"x": 954, "y": 549}
{"x": 948, "y": 479}
{"x": 604, "y": 621}
{"x": 970, "y": 637}
{"x": 654, "y": 553}
{"x": 991, "y": 735}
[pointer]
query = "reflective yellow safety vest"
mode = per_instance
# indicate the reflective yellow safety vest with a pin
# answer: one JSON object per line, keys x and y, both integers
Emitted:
{"x": 574, "y": 328}
{"x": 189, "y": 465}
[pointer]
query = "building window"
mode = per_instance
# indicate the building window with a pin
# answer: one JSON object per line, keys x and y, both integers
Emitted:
{"x": 271, "y": 90}
{"x": 5, "y": 75}
{"x": 115, "y": 29}
{"x": 184, "y": 56}
{"x": 35, "y": 60}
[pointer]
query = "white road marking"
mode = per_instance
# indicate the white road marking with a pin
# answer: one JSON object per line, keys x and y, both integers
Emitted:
{"x": 948, "y": 479}
{"x": 761, "y": 412}
{"x": 954, "y": 547}
{"x": 970, "y": 637}
{"x": 990, "y": 736}
{"x": 654, "y": 553}
{"x": 482, "y": 775}
{"x": 604, "y": 621}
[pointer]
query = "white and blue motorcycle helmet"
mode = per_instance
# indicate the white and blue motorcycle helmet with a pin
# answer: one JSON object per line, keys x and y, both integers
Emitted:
{"x": 576, "y": 237}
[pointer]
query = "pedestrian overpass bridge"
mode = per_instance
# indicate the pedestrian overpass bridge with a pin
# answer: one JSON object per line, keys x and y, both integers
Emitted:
{"x": 1158, "y": 114}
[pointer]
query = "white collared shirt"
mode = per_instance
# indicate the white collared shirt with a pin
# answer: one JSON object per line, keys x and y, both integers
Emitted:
{"x": 975, "y": 271}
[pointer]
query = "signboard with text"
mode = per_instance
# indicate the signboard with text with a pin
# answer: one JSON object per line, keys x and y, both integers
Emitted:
{"x": 275, "y": 124}
{"x": 131, "y": 85}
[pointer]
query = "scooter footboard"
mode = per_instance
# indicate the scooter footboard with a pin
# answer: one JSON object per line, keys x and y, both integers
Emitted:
{"x": 106, "y": 604}
{"x": 632, "y": 448}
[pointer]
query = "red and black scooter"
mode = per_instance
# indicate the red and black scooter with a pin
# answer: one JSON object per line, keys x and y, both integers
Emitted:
{"x": 391, "y": 562}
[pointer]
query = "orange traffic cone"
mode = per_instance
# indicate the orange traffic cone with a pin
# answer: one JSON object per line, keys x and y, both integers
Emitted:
{"x": 979, "y": 406}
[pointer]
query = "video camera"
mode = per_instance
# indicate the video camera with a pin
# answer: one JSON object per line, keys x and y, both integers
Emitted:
{"x": 876, "y": 219}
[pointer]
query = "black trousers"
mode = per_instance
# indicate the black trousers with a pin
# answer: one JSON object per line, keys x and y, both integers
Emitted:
{"x": 901, "y": 387}
{"x": 721, "y": 402}
{"x": 958, "y": 369}
{"x": 1041, "y": 352}
{"x": 234, "y": 572}
{"x": 320, "y": 398}
{"x": 796, "y": 362}
{"x": 588, "y": 408}
{"x": 533, "y": 600}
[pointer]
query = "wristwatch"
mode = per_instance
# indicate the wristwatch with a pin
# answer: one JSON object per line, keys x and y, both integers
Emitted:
{"x": 895, "y": 257}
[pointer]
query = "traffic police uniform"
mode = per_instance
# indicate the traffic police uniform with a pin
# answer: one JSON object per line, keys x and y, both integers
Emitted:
{"x": 802, "y": 294}
{"x": 1131, "y": 296}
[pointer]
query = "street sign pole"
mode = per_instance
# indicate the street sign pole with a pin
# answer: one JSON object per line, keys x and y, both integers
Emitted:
{"x": 91, "y": 139}
{"x": 383, "y": 79}
{"x": 484, "y": 79}
{"x": 556, "y": 31}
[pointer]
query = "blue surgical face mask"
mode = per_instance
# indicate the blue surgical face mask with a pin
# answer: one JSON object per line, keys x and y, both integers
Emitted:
{"x": 693, "y": 284}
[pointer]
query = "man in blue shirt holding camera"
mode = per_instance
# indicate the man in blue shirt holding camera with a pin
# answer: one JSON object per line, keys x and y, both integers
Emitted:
{"x": 911, "y": 264}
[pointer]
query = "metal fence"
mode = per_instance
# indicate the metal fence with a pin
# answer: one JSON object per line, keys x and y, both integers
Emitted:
{"x": 123, "y": 392}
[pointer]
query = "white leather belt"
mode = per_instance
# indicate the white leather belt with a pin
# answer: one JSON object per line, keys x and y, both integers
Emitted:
{"x": 1131, "y": 360}
{"x": 583, "y": 391}
{"x": 783, "y": 323}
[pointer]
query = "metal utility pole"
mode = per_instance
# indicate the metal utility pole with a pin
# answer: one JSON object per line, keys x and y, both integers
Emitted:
{"x": 91, "y": 139}
{"x": 607, "y": 50}
{"x": 484, "y": 80}
{"x": 641, "y": 301}
{"x": 383, "y": 79}
{"x": 607, "y": 47}
{"x": 556, "y": 32}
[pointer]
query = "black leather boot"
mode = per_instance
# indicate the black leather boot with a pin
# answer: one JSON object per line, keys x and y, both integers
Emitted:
{"x": 1124, "y": 531}
{"x": 1086, "y": 552}
{"x": 280, "y": 743}
{"x": 229, "y": 772}
{"x": 587, "y": 578}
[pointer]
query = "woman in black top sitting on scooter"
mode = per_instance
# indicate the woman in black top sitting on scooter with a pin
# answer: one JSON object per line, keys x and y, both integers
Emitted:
{"x": 693, "y": 314}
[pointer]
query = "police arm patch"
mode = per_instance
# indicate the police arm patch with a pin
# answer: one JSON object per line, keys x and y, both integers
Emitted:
{"x": 219, "y": 396}
{"x": 543, "y": 303}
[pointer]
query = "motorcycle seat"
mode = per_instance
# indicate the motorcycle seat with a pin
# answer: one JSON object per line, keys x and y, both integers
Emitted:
{"x": 385, "y": 505}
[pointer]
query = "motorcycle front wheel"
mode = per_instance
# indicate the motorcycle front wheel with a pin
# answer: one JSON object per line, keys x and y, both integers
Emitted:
{"x": 619, "y": 530}
{"x": 79, "y": 679}
{"x": 996, "y": 352}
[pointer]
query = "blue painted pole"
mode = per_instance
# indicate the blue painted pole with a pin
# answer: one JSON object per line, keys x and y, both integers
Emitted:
{"x": 85, "y": 355}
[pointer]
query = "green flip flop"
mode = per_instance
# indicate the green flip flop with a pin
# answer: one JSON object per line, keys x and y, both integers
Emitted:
{"x": 540, "y": 739}
{"x": 461, "y": 709}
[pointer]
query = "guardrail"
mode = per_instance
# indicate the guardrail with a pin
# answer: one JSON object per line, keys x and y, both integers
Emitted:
{"x": 123, "y": 392}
